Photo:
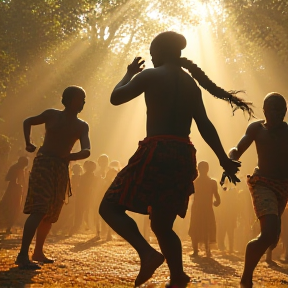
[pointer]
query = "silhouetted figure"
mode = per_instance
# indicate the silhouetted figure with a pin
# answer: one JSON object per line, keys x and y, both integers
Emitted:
{"x": 110, "y": 176}
{"x": 245, "y": 217}
{"x": 202, "y": 223}
{"x": 49, "y": 178}
{"x": 269, "y": 183}
{"x": 84, "y": 198}
{"x": 227, "y": 217}
{"x": 159, "y": 176}
{"x": 10, "y": 204}
{"x": 103, "y": 163}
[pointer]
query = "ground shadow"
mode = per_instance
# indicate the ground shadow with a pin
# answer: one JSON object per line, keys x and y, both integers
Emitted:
{"x": 18, "y": 278}
{"x": 6, "y": 242}
{"x": 81, "y": 246}
{"x": 231, "y": 257}
{"x": 211, "y": 266}
{"x": 276, "y": 267}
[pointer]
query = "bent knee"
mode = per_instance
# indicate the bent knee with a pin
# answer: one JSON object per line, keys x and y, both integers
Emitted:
{"x": 159, "y": 228}
{"x": 270, "y": 238}
{"x": 107, "y": 208}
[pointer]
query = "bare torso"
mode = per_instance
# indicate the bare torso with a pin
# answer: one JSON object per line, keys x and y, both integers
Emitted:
{"x": 272, "y": 150}
{"x": 169, "y": 100}
{"x": 61, "y": 133}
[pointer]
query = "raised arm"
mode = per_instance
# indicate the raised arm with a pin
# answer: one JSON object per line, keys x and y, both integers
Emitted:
{"x": 128, "y": 89}
{"x": 85, "y": 145}
{"x": 210, "y": 135}
{"x": 245, "y": 142}
{"x": 31, "y": 121}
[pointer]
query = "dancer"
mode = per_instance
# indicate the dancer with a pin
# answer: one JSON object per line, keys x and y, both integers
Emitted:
{"x": 49, "y": 179}
{"x": 159, "y": 177}
{"x": 269, "y": 183}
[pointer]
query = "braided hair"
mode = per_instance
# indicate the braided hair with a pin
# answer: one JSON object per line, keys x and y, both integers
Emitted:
{"x": 229, "y": 96}
{"x": 171, "y": 44}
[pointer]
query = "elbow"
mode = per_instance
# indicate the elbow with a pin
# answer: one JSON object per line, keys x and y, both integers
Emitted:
{"x": 114, "y": 101}
{"x": 26, "y": 122}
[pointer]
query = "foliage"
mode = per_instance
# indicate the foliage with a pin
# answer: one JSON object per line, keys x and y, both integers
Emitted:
{"x": 251, "y": 27}
{"x": 5, "y": 145}
{"x": 82, "y": 41}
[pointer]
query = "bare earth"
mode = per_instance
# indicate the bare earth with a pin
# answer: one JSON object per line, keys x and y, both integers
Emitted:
{"x": 84, "y": 261}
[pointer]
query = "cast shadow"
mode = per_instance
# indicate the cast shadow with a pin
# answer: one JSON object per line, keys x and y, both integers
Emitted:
{"x": 17, "y": 278}
{"x": 93, "y": 242}
{"x": 211, "y": 266}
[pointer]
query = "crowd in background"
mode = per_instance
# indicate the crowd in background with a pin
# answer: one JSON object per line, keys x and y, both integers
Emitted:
{"x": 221, "y": 219}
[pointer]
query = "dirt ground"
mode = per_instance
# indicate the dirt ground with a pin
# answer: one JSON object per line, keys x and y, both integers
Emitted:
{"x": 84, "y": 261}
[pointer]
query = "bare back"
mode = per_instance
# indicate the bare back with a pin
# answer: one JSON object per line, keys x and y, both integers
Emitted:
{"x": 62, "y": 132}
{"x": 169, "y": 99}
{"x": 272, "y": 151}
{"x": 271, "y": 148}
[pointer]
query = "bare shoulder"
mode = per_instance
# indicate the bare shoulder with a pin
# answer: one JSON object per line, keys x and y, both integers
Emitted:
{"x": 213, "y": 182}
{"x": 147, "y": 73}
{"x": 83, "y": 124}
{"x": 52, "y": 112}
{"x": 255, "y": 126}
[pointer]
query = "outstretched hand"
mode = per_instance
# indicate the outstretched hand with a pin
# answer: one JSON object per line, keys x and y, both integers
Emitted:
{"x": 136, "y": 65}
{"x": 231, "y": 167}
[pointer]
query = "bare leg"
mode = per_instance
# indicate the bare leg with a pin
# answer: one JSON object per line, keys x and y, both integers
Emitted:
{"x": 41, "y": 235}
{"x": 170, "y": 244}
{"x": 230, "y": 235}
{"x": 194, "y": 245}
{"x": 127, "y": 228}
{"x": 207, "y": 248}
{"x": 30, "y": 227}
{"x": 257, "y": 247}
{"x": 31, "y": 224}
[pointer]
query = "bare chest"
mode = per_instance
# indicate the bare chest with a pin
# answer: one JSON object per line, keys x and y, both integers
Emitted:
{"x": 63, "y": 128}
{"x": 273, "y": 142}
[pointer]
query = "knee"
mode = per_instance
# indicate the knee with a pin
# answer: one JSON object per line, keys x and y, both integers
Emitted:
{"x": 270, "y": 239}
{"x": 158, "y": 228}
{"x": 106, "y": 209}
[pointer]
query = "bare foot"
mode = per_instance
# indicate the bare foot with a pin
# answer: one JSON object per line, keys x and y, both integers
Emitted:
{"x": 148, "y": 266}
{"x": 42, "y": 258}
{"x": 23, "y": 262}
{"x": 179, "y": 282}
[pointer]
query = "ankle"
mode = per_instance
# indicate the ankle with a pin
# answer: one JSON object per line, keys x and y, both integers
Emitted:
{"x": 23, "y": 253}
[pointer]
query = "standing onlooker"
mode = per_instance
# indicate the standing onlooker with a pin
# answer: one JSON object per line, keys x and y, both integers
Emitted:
{"x": 10, "y": 204}
{"x": 202, "y": 224}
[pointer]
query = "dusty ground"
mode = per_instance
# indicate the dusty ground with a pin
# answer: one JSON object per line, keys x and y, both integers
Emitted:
{"x": 82, "y": 261}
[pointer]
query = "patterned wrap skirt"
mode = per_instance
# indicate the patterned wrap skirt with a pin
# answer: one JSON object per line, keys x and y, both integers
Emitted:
{"x": 159, "y": 174}
{"x": 49, "y": 185}
{"x": 269, "y": 196}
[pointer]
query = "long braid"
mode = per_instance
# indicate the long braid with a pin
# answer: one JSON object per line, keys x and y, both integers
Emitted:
{"x": 229, "y": 96}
